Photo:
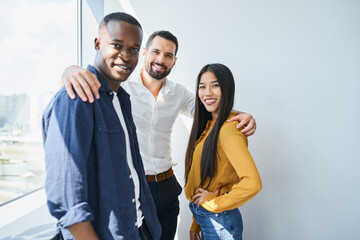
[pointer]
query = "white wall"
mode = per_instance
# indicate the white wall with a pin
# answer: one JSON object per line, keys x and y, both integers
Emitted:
{"x": 297, "y": 70}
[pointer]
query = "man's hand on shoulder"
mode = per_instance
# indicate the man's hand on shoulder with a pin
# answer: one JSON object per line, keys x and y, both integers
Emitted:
{"x": 83, "y": 81}
{"x": 246, "y": 121}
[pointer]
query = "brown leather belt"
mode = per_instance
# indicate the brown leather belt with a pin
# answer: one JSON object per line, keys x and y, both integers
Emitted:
{"x": 161, "y": 176}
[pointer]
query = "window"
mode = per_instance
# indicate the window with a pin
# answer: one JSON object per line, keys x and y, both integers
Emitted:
{"x": 37, "y": 41}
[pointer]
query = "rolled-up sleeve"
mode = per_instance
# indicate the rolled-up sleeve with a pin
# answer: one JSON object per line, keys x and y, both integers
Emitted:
{"x": 68, "y": 132}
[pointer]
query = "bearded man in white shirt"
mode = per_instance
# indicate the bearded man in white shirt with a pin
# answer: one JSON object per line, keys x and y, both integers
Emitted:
{"x": 156, "y": 103}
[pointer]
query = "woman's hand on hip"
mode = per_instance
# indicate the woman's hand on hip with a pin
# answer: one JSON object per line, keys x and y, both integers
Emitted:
{"x": 201, "y": 194}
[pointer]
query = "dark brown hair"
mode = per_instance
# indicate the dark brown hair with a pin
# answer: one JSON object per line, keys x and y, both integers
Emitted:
{"x": 202, "y": 116}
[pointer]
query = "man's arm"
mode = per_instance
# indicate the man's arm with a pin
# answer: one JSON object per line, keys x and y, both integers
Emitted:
{"x": 245, "y": 120}
{"x": 83, "y": 81}
{"x": 68, "y": 125}
{"x": 86, "y": 84}
{"x": 83, "y": 231}
{"x": 188, "y": 104}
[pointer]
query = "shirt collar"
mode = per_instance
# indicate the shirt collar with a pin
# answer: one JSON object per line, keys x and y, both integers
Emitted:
{"x": 165, "y": 87}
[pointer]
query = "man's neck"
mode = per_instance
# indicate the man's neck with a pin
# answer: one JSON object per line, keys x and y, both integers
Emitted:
{"x": 154, "y": 85}
{"x": 113, "y": 85}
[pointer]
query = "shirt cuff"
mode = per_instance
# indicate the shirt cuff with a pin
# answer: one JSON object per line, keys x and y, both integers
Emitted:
{"x": 210, "y": 203}
{"x": 79, "y": 213}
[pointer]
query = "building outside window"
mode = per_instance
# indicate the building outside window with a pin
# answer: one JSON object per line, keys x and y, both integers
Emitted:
{"x": 37, "y": 41}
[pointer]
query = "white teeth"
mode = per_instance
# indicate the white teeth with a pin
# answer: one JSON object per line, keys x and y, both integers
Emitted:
{"x": 158, "y": 67}
{"x": 210, "y": 101}
{"x": 123, "y": 67}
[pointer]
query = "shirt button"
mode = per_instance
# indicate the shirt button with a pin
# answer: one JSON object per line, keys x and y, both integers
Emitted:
{"x": 110, "y": 93}
{"x": 136, "y": 224}
{"x": 130, "y": 177}
{"x": 216, "y": 215}
{"x": 133, "y": 200}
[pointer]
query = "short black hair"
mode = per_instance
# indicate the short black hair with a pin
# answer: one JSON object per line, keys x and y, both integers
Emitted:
{"x": 164, "y": 34}
{"x": 119, "y": 16}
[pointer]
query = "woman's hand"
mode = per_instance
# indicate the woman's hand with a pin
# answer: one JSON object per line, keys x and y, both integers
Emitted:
{"x": 194, "y": 236}
{"x": 201, "y": 194}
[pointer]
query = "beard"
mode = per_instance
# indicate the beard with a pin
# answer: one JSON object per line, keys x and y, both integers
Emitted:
{"x": 158, "y": 75}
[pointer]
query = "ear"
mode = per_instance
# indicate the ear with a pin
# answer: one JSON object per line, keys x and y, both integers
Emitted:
{"x": 97, "y": 43}
{"x": 174, "y": 61}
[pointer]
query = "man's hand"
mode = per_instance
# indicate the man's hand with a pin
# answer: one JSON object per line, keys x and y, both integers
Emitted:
{"x": 83, "y": 231}
{"x": 245, "y": 120}
{"x": 83, "y": 81}
{"x": 194, "y": 236}
{"x": 201, "y": 194}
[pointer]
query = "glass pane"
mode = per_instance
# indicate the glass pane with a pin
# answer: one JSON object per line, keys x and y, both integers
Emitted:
{"x": 37, "y": 41}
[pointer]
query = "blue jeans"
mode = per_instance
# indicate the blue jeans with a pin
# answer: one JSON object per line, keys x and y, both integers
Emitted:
{"x": 226, "y": 225}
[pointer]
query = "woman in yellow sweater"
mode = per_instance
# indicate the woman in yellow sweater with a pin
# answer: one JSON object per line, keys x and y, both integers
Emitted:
{"x": 220, "y": 173}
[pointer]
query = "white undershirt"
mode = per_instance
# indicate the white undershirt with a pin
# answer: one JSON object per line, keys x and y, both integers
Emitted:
{"x": 133, "y": 172}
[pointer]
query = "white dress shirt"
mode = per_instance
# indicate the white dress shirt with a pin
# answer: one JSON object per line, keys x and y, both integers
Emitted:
{"x": 154, "y": 120}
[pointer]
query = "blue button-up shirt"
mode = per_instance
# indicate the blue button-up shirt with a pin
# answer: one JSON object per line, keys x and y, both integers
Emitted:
{"x": 88, "y": 178}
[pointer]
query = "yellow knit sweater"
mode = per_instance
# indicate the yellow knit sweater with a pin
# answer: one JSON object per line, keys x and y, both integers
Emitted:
{"x": 235, "y": 175}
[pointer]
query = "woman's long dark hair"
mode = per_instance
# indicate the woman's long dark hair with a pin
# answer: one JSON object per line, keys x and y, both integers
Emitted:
{"x": 201, "y": 117}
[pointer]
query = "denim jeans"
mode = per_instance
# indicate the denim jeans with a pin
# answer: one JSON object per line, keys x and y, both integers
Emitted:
{"x": 226, "y": 225}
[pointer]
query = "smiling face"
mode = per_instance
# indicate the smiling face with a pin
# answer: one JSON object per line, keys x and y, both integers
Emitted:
{"x": 117, "y": 53}
{"x": 159, "y": 58}
{"x": 209, "y": 93}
